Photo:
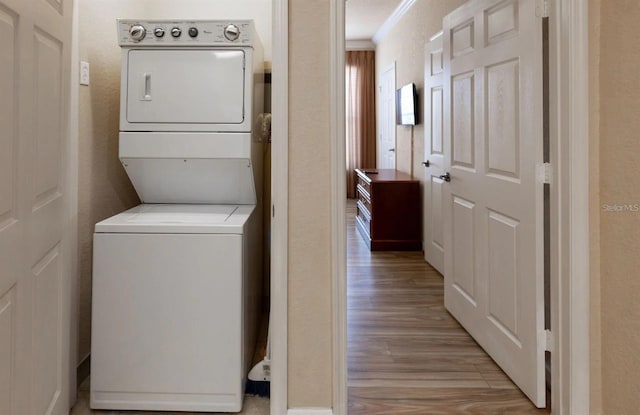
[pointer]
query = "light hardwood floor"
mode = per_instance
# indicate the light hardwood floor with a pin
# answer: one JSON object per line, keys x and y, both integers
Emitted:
{"x": 406, "y": 354}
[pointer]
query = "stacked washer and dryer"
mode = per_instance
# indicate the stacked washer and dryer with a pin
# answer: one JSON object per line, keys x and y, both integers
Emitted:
{"x": 177, "y": 279}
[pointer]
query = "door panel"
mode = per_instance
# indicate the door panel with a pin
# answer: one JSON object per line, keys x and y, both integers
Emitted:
{"x": 47, "y": 352}
{"x": 7, "y": 352}
{"x": 464, "y": 249}
{"x": 462, "y": 38}
{"x": 34, "y": 196}
{"x": 48, "y": 115}
{"x": 503, "y": 259}
{"x": 8, "y": 138}
{"x": 436, "y": 120}
{"x": 57, "y": 5}
{"x": 502, "y": 21}
{"x": 462, "y": 121}
{"x": 185, "y": 86}
{"x": 503, "y": 113}
{"x": 433, "y": 242}
{"x": 493, "y": 205}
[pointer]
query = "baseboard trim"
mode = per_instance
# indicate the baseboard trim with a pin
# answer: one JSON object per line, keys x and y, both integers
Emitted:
{"x": 310, "y": 411}
{"x": 83, "y": 370}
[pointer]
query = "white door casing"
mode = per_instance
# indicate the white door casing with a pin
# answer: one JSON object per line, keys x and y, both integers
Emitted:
{"x": 387, "y": 119}
{"x": 35, "y": 47}
{"x": 494, "y": 202}
{"x": 433, "y": 232}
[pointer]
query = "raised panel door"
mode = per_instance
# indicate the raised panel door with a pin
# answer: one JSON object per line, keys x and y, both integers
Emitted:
{"x": 493, "y": 214}
{"x": 433, "y": 233}
{"x": 35, "y": 205}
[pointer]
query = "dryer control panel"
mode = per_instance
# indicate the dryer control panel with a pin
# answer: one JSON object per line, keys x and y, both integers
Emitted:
{"x": 185, "y": 33}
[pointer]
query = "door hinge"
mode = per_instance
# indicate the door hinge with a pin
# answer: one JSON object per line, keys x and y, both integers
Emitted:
{"x": 548, "y": 341}
{"x": 545, "y": 173}
{"x": 542, "y": 8}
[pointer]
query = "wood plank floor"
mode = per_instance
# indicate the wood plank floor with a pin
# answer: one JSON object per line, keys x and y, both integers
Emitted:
{"x": 406, "y": 354}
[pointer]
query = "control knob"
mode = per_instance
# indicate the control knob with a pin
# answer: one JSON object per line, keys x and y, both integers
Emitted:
{"x": 176, "y": 32}
{"x": 193, "y": 32}
{"x": 159, "y": 32}
{"x": 231, "y": 32}
{"x": 137, "y": 32}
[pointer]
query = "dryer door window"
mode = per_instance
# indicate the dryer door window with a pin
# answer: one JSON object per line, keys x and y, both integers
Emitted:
{"x": 185, "y": 86}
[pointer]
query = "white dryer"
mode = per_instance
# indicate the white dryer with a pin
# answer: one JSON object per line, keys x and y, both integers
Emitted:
{"x": 176, "y": 280}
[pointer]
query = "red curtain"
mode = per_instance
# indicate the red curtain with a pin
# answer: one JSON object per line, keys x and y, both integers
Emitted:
{"x": 360, "y": 114}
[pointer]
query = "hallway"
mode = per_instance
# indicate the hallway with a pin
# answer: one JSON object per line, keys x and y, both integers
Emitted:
{"x": 406, "y": 354}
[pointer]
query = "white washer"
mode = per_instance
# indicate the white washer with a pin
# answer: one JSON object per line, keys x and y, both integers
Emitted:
{"x": 172, "y": 301}
{"x": 176, "y": 280}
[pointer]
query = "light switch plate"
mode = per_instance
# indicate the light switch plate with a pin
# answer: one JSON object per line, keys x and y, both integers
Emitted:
{"x": 84, "y": 73}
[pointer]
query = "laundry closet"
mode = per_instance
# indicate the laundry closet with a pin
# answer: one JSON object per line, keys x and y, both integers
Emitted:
{"x": 179, "y": 285}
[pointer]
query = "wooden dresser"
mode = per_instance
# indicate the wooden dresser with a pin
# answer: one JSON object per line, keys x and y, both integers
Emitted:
{"x": 388, "y": 214}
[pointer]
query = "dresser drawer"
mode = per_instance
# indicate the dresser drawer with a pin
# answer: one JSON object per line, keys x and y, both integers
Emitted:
{"x": 364, "y": 218}
{"x": 364, "y": 186}
{"x": 364, "y": 201}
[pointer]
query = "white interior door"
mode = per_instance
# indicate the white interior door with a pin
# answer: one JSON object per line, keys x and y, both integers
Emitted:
{"x": 387, "y": 119}
{"x": 35, "y": 46}
{"x": 494, "y": 203}
{"x": 433, "y": 235}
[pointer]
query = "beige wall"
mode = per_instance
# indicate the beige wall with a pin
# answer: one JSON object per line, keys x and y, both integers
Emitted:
{"x": 619, "y": 152}
{"x": 309, "y": 195}
{"x": 104, "y": 188}
{"x": 405, "y": 45}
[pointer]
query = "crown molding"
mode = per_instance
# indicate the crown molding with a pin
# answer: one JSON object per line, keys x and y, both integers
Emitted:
{"x": 363, "y": 44}
{"x": 392, "y": 20}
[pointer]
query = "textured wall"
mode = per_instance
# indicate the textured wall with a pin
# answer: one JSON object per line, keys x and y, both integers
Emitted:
{"x": 104, "y": 188}
{"x": 620, "y": 185}
{"x": 309, "y": 207}
{"x": 405, "y": 45}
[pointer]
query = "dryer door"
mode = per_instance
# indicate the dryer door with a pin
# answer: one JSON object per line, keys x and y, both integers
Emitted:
{"x": 197, "y": 86}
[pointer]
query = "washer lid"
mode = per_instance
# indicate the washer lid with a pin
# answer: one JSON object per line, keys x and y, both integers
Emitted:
{"x": 149, "y": 218}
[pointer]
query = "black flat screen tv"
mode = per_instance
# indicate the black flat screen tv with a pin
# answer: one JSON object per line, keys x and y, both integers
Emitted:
{"x": 407, "y": 105}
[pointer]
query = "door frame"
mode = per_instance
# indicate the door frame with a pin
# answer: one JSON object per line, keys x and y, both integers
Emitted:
{"x": 569, "y": 119}
{"x": 72, "y": 180}
{"x": 569, "y": 156}
{"x": 280, "y": 201}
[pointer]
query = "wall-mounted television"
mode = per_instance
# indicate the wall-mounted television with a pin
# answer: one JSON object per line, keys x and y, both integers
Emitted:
{"x": 407, "y": 105}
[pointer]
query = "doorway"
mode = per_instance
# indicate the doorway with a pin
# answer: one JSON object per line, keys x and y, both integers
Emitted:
{"x": 563, "y": 394}
{"x": 568, "y": 81}
{"x": 396, "y": 356}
